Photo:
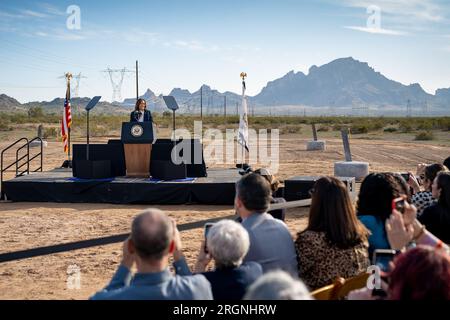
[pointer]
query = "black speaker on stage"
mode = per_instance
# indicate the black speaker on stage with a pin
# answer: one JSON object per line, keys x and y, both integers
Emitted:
{"x": 167, "y": 170}
{"x": 162, "y": 150}
{"x": 92, "y": 169}
{"x": 298, "y": 188}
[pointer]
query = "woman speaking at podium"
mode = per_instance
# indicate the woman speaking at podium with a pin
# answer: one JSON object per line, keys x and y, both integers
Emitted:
{"x": 140, "y": 113}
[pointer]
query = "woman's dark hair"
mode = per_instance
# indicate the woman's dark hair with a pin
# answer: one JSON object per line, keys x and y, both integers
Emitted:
{"x": 376, "y": 195}
{"x": 432, "y": 170}
{"x": 405, "y": 188}
{"x": 443, "y": 183}
{"x": 138, "y": 102}
{"x": 421, "y": 273}
{"x": 332, "y": 212}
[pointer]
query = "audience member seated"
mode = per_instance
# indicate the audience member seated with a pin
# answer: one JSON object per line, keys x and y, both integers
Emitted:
{"x": 374, "y": 206}
{"x": 277, "y": 285}
{"x": 423, "y": 197}
{"x": 271, "y": 244}
{"x": 436, "y": 218}
{"x": 153, "y": 238}
{"x": 274, "y": 186}
{"x": 227, "y": 244}
{"x": 334, "y": 243}
{"x": 421, "y": 273}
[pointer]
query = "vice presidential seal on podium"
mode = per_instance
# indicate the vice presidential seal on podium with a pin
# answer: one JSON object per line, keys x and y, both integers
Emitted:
{"x": 137, "y": 138}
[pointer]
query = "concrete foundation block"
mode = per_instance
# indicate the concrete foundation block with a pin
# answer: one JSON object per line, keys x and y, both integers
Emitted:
{"x": 358, "y": 170}
{"x": 37, "y": 143}
{"x": 318, "y": 145}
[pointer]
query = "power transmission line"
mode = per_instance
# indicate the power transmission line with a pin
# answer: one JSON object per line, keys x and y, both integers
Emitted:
{"x": 116, "y": 83}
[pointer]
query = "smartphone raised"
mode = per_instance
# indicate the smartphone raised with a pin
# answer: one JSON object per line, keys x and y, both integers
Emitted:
{"x": 405, "y": 176}
{"x": 382, "y": 259}
{"x": 206, "y": 229}
{"x": 399, "y": 205}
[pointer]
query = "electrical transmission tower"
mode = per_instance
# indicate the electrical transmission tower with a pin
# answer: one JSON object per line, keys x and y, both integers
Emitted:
{"x": 74, "y": 87}
{"x": 408, "y": 109}
{"x": 425, "y": 108}
{"x": 77, "y": 77}
{"x": 117, "y": 81}
{"x": 362, "y": 111}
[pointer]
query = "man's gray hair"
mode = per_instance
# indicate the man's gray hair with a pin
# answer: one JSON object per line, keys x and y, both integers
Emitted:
{"x": 152, "y": 233}
{"x": 277, "y": 285}
{"x": 228, "y": 243}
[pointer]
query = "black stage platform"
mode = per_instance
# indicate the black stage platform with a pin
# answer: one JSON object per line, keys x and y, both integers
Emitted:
{"x": 59, "y": 185}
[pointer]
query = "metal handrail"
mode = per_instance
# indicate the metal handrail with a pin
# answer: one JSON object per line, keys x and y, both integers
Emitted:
{"x": 16, "y": 162}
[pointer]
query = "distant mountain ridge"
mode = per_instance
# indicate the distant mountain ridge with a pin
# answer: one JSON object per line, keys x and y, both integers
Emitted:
{"x": 342, "y": 83}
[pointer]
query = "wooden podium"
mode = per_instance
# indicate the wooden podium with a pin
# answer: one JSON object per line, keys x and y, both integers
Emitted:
{"x": 137, "y": 138}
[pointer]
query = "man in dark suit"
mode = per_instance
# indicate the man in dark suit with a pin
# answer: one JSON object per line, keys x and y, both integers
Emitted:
{"x": 140, "y": 113}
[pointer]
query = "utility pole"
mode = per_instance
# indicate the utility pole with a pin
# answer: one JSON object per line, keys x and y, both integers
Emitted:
{"x": 408, "y": 109}
{"x": 201, "y": 102}
{"x": 225, "y": 107}
{"x": 137, "y": 81}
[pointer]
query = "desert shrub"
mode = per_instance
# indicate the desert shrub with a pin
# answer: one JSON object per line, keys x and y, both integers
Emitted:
{"x": 50, "y": 133}
{"x": 290, "y": 129}
{"x": 35, "y": 112}
{"x": 323, "y": 129}
{"x": 98, "y": 131}
{"x": 443, "y": 124}
{"x": 406, "y": 127}
{"x": 390, "y": 129}
{"x": 425, "y": 125}
{"x": 5, "y": 125}
{"x": 359, "y": 129}
{"x": 424, "y": 136}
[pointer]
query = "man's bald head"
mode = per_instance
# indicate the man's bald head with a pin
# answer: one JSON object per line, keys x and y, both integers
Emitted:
{"x": 152, "y": 233}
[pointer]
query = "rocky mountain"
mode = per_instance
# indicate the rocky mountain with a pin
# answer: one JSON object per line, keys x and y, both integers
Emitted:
{"x": 9, "y": 104}
{"x": 442, "y": 97}
{"x": 341, "y": 83}
{"x": 78, "y": 105}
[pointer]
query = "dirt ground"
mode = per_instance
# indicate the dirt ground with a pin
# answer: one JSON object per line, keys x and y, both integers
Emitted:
{"x": 29, "y": 225}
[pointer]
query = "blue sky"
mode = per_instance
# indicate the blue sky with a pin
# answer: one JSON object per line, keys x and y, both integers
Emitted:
{"x": 188, "y": 43}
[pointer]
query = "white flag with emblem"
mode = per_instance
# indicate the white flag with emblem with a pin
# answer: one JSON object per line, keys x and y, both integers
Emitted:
{"x": 243, "y": 120}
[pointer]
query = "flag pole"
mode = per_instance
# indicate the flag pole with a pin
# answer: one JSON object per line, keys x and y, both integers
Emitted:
{"x": 69, "y": 76}
{"x": 243, "y": 123}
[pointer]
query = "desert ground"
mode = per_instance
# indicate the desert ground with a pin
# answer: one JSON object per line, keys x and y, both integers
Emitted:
{"x": 29, "y": 225}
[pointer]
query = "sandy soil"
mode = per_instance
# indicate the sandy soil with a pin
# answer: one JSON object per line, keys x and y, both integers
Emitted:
{"x": 28, "y": 225}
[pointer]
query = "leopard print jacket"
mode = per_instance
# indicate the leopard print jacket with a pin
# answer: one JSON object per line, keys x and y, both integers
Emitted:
{"x": 320, "y": 262}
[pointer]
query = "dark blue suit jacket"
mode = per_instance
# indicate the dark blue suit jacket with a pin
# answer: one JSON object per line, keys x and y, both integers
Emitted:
{"x": 134, "y": 116}
{"x": 232, "y": 283}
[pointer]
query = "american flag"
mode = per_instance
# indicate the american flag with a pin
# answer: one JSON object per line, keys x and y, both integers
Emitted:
{"x": 66, "y": 120}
